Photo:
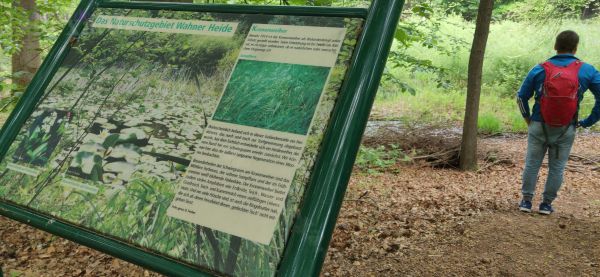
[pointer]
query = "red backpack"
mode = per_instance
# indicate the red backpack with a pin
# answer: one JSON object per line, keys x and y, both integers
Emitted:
{"x": 558, "y": 103}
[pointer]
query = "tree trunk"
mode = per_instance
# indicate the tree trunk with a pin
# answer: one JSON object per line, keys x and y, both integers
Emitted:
{"x": 27, "y": 60}
{"x": 468, "y": 150}
{"x": 590, "y": 10}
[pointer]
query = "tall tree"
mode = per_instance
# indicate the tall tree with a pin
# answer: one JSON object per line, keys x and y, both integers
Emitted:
{"x": 468, "y": 150}
{"x": 591, "y": 9}
{"x": 26, "y": 61}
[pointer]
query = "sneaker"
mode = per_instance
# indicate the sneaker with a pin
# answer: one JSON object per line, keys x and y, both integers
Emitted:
{"x": 545, "y": 208}
{"x": 525, "y": 206}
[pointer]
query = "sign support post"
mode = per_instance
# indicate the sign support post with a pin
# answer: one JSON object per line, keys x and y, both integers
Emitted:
{"x": 313, "y": 230}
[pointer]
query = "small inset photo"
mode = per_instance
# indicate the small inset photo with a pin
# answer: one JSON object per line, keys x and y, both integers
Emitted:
{"x": 275, "y": 96}
{"x": 41, "y": 138}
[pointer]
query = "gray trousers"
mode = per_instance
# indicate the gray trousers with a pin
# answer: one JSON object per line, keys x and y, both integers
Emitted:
{"x": 558, "y": 146}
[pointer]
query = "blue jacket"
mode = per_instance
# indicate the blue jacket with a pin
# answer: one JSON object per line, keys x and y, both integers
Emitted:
{"x": 589, "y": 78}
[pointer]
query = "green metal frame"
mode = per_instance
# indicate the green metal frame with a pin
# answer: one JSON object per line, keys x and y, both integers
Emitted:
{"x": 305, "y": 251}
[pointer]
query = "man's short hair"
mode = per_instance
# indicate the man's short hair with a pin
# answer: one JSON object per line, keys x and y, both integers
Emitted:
{"x": 566, "y": 41}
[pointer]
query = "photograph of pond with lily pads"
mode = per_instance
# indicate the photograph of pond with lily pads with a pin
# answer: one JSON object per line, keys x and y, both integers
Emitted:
{"x": 117, "y": 125}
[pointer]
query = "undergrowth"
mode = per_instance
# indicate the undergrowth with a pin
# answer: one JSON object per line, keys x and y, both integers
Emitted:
{"x": 376, "y": 160}
{"x": 513, "y": 49}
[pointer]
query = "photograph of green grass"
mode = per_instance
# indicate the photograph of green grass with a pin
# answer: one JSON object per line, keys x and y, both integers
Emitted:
{"x": 275, "y": 96}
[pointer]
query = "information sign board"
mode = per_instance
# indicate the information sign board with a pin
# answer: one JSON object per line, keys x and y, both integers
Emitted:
{"x": 187, "y": 133}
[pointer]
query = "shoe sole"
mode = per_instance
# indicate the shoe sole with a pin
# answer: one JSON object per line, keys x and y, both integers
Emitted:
{"x": 525, "y": 210}
{"x": 544, "y": 212}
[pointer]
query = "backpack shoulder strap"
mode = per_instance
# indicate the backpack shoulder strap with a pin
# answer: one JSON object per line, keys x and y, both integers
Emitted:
{"x": 548, "y": 66}
{"x": 577, "y": 64}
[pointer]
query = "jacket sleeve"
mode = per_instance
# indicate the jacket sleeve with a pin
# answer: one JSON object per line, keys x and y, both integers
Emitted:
{"x": 526, "y": 92}
{"x": 595, "y": 89}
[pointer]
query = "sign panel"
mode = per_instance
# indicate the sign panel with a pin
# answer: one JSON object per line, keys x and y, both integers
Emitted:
{"x": 247, "y": 157}
{"x": 188, "y": 134}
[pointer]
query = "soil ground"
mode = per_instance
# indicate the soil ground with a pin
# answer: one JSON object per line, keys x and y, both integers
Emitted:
{"x": 411, "y": 220}
{"x": 432, "y": 222}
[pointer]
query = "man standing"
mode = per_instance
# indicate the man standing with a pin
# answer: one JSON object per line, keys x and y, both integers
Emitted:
{"x": 554, "y": 117}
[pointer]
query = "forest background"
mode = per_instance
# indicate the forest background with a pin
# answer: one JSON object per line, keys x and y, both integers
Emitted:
{"x": 426, "y": 76}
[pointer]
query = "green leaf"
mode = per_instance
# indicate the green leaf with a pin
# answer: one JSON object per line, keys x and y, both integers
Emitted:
{"x": 39, "y": 150}
{"x": 96, "y": 173}
{"x": 423, "y": 10}
{"x": 401, "y": 36}
{"x": 110, "y": 141}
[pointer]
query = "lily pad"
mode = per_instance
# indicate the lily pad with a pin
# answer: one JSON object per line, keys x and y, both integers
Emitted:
{"x": 130, "y": 152}
{"x": 132, "y": 133}
{"x": 124, "y": 169}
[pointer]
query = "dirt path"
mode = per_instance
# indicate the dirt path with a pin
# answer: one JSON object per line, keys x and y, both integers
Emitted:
{"x": 433, "y": 222}
{"x": 409, "y": 221}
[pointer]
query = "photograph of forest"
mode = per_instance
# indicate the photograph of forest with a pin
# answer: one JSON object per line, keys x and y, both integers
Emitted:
{"x": 117, "y": 126}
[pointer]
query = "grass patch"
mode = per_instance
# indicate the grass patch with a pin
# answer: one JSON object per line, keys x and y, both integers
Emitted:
{"x": 379, "y": 159}
{"x": 518, "y": 124}
{"x": 446, "y": 109}
{"x": 489, "y": 124}
{"x": 283, "y": 102}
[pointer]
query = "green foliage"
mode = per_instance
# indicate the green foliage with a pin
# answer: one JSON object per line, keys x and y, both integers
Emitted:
{"x": 465, "y": 8}
{"x": 40, "y": 138}
{"x": 55, "y": 13}
{"x": 35, "y": 152}
{"x": 489, "y": 124}
{"x": 345, "y": 3}
{"x": 544, "y": 11}
{"x": 532, "y": 10}
{"x": 11, "y": 16}
{"x": 513, "y": 49}
{"x": 430, "y": 105}
{"x": 517, "y": 123}
{"x": 52, "y": 12}
{"x": 430, "y": 26}
{"x": 15, "y": 23}
{"x": 144, "y": 205}
{"x": 379, "y": 159}
{"x": 422, "y": 29}
{"x": 509, "y": 74}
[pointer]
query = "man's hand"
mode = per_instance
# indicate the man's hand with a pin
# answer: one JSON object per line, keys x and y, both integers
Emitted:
{"x": 528, "y": 121}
